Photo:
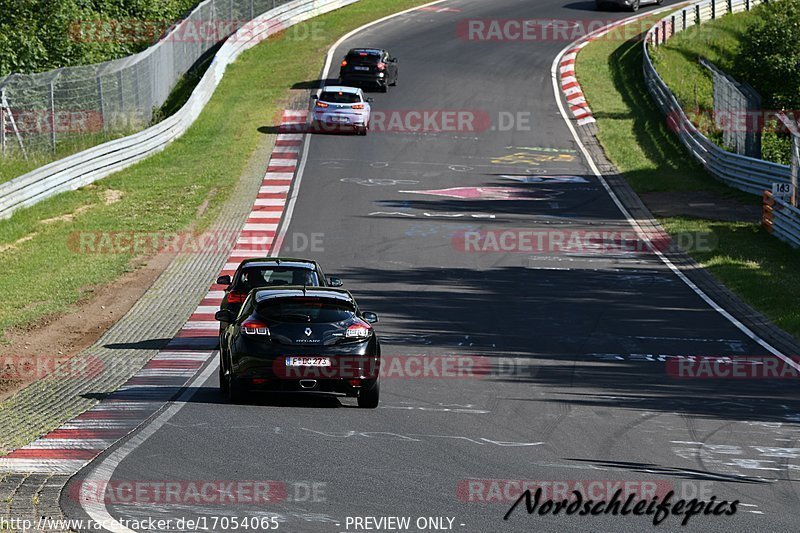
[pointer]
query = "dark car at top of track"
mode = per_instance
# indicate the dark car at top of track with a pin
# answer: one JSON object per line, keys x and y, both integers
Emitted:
{"x": 631, "y": 5}
{"x": 270, "y": 272}
{"x": 300, "y": 339}
{"x": 371, "y": 67}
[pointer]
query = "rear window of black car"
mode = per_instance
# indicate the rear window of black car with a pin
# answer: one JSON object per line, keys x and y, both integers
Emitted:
{"x": 270, "y": 276}
{"x": 305, "y": 309}
{"x": 360, "y": 59}
{"x": 339, "y": 98}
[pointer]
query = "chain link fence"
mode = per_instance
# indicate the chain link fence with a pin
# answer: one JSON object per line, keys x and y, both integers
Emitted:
{"x": 733, "y": 99}
{"x": 115, "y": 97}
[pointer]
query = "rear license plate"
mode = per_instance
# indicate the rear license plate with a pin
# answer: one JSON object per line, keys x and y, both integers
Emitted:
{"x": 308, "y": 361}
{"x": 361, "y": 68}
{"x": 338, "y": 119}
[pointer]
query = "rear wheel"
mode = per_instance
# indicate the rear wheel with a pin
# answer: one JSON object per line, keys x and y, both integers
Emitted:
{"x": 383, "y": 88}
{"x": 361, "y": 130}
{"x": 236, "y": 393}
{"x": 223, "y": 381}
{"x": 369, "y": 399}
{"x": 635, "y": 5}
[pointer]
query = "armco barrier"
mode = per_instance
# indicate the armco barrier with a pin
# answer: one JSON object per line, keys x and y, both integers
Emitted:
{"x": 781, "y": 219}
{"x": 742, "y": 172}
{"x": 98, "y": 162}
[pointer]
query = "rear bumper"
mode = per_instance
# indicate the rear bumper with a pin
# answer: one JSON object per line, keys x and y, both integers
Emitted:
{"x": 352, "y": 79}
{"x": 324, "y": 121}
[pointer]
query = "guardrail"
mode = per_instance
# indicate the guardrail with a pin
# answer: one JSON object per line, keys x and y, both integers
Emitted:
{"x": 781, "y": 219}
{"x": 100, "y": 161}
{"x": 745, "y": 173}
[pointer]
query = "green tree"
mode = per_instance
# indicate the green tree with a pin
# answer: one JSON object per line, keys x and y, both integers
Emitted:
{"x": 770, "y": 55}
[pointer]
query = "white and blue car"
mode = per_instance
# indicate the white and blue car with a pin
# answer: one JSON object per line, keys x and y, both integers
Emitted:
{"x": 339, "y": 108}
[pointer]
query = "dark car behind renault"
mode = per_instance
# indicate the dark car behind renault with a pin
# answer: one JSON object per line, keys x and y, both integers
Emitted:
{"x": 269, "y": 272}
{"x": 300, "y": 339}
{"x": 368, "y": 67}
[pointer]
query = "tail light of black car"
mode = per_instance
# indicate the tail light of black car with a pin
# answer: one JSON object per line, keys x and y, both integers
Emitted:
{"x": 358, "y": 331}
{"x": 254, "y": 327}
{"x": 235, "y": 297}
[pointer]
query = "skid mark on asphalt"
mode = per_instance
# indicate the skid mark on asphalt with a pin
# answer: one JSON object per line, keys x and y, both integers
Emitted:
{"x": 415, "y": 437}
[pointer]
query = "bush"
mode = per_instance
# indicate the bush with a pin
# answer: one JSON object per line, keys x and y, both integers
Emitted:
{"x": 770, "y": 55}
{"x": 39, "y": 35}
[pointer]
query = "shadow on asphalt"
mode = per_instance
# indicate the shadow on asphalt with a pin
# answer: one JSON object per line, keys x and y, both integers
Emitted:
{"x": 583, "y": 334}
{"x": 684, "y": 473}
{"x": 148, "y": 344}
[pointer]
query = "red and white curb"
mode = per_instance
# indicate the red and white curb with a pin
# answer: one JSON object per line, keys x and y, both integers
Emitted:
{"x": 573, "y": 93}
{"x": 571, "y": 88}
{"x": 73, "y": 445}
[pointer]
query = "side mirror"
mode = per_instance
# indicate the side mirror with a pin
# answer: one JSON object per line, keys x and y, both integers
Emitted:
{"x": 223, "y": 315}
{"x": 335, "y": 282}
{"x": 224, "y": 280}
{"x": 369, "y": 317}
{"x": 315, "y": 97}
{"x": 393, "y": 60}
{"x": 369, "y": 99}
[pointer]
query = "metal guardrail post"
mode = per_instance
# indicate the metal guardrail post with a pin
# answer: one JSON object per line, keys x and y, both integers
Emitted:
{"x": 3, "y": 121}
{"x": 768, "y": 204}
{"x": 52, "y": 116}
{"x": 100, "y": 99}
{"x": 795, "y": 165}
{"x": 794, "y": 131}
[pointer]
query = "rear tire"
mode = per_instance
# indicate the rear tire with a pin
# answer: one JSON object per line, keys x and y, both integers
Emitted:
{"x": 236, "y": 393}
{"x": 362, "y": 131}
{"x": 369, "y": 399}
{"x": 635, "y": 6}
{"x": 383, "y": 88}
{"x": 223, "y": 381}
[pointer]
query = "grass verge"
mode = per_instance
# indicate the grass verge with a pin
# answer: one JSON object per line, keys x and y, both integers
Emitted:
{"x": 757, "y": 267}
{"x": 181, "y": 187}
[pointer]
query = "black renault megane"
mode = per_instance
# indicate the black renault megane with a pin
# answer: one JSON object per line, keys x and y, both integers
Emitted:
{"x": 301, "y": 339}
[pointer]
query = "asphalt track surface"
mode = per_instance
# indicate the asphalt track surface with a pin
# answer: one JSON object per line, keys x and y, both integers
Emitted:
{"x": 578, "y": 388}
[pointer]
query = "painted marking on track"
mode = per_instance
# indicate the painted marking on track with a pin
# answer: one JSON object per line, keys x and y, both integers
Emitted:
{"x": 544, "y": 179}
{"x": 377, "y": 182}
{"x": 488, "y": 193}
{"x": 480, "y": 441}
{"x": 522, "y": 158}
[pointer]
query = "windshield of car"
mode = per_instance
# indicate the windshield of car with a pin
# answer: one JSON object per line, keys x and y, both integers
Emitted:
{"x": 306, "y": 309}
{"x": 266, "y": 276}
{"x": 335, "y": 97}
{"x": 362, "y": 58}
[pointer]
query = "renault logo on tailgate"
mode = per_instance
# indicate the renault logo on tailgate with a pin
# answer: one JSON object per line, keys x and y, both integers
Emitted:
{"x": 308, "y": 332}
